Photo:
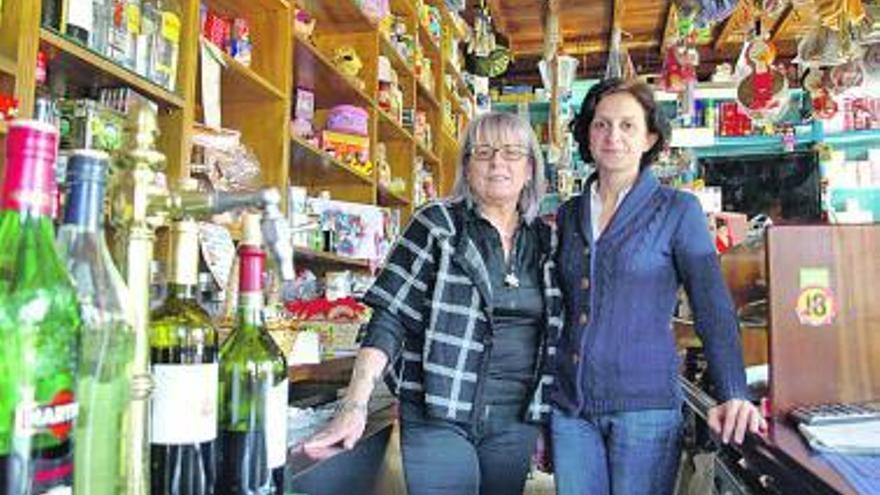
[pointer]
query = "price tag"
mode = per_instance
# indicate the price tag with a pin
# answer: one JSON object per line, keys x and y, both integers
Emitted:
{"x": 816, "y": 306}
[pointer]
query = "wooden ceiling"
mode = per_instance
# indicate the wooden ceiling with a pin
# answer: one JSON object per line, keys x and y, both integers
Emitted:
{"x": 586, "y": 27}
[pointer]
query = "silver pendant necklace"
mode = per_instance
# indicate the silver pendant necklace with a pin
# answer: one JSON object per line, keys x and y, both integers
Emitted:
{"x": 510, "y": 279}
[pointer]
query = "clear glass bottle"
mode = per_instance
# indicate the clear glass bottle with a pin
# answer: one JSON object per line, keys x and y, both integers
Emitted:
{"x": 107, "y": 337}
{"x": 183, "y": 357}
{"x": 101, "y": 16}
{"x": 39, "y": 322}
{"x": 151, "y": 17}
{"x": 253, "y": 387}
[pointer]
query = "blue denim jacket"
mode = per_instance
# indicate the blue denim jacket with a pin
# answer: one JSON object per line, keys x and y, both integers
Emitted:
{"x": 617, "y": 350}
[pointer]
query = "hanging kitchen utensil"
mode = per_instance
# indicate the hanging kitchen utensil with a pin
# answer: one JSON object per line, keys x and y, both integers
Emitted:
{"x": 485, "y": 58}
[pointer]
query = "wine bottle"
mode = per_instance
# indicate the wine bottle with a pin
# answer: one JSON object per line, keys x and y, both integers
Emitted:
{"x": 253, "y": 388}
{"x": 39, "y": 322}
{"x": 183, "y": 357}
{"x": 107, "y": 337}
{"x": 80, "y": 21}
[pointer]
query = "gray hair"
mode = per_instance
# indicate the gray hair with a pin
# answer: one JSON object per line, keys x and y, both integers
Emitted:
{"x": 490, "y": 127}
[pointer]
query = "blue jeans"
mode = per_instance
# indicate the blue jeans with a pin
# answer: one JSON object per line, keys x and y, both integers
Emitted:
{"x": 491, "y": 457}
{"x": 621, "y": 453}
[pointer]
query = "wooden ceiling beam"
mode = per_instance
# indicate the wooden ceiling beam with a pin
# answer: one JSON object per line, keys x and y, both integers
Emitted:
{"x": 729, "y": 26}
{"x": 783, "y": 23}
{"x": 582, "y": 46}
{"x": 499, "y": 17}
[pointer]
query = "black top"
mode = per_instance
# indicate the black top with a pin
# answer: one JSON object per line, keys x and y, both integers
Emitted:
{"x": 517, "y": 309}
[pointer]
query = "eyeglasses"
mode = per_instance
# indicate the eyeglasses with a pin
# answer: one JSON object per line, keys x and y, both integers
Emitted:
{"x": 512, "y": 152}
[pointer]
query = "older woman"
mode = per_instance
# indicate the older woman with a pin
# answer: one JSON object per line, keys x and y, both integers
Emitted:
{"x": 462, "y": 310}
{"x": 626, "y": 245}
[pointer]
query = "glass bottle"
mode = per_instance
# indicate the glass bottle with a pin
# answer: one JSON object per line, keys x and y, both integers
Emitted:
{"x": 101, "y": 16}
{"x": 183, "y": 357}
{"x": 151, "y": 16}
{"x": 50, "y": 14}
{"x": 80, "y": 19}
{"x": 125, "y": 23}
{"x": 253, "y": 387}
{"x": 39, "y": 322}
{"x": 107, "y": 336}
{"x": 165, "y": 46}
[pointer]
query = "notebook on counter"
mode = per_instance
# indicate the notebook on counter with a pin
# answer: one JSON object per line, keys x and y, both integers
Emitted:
{"x": 854, "y": 437}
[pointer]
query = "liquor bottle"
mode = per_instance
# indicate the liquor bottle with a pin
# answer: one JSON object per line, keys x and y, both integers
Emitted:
{"x": 102, "y": 11}
{"x": 50, "y": 14}
{"x": 183, "y": 357}
{"x": 150, "y": 19}
{"x": 253, "y": 388}
{"x": 165, "y": 46}
{"x": 107, "y": 337}
{"x": 125, "y": 23}
{"x": 39, "y": 322}
{"x": 80, "y": 19}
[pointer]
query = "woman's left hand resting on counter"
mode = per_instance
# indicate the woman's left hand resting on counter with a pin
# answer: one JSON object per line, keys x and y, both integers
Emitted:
{"x": 347, "y": 426}
{"x": 733, "y": 418}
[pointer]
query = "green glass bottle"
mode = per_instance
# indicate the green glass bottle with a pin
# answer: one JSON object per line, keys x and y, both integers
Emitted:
{"x": 253, "y": 388}
{"x": 39, "y": 322}
{"x": 107, "y": 338}
{"x": 183, "y": 360}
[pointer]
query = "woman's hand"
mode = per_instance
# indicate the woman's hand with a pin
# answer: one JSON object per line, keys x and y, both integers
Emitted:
{"x": 733, "y": 418}
{"x": 346, "y": 428}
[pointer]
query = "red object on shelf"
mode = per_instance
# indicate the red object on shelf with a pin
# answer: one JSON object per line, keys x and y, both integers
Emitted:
{"x": 346, "y": 309}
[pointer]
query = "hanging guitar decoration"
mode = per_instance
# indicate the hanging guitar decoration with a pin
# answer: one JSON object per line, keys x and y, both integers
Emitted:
{"x": 486, "y": 58}
{"x": 763, "y": 91}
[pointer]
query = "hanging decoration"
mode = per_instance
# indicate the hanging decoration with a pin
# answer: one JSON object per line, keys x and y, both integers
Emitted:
{"x": 763, "y": 90}
{"x": 485, "y": 57}
{"x": 681, "y": 59}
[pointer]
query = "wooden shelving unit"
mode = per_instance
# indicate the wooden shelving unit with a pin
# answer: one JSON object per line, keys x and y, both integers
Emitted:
{"x": 85, "y": 68}
{"x": 314, "y": 71}
{"x": 8, "y": 66}
{"x": 317, "y": 169}
{"x": 329, "y": 259}
{"x": 257, "y": 99}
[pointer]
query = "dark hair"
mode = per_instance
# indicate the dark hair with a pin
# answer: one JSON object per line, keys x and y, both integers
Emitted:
{"x": 655, "y": 120}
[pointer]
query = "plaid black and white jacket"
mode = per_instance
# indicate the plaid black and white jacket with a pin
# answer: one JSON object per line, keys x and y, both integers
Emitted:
{"x": 435, "y": 284}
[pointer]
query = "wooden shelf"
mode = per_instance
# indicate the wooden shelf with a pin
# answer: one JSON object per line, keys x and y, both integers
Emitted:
{"x": 324, "y": 258}
{"x": 330, "y": 370}
{"x": 459, "y": 80}
{"x": 342, "y": 15}
{"x": 388, "y": 197}
{"x": 427, "y": 95}
{"x": 263, "y": 5}
{"x": 87, "y": 69}
{"x": 403, "y": 67}
{"x": 429, "y": 156}
{"x": 313, "y": 165}
{"x": 240, "y": 83}
{"x": 391, "y": 130}
{"x": 8, "y": 66}
{"x": 449, "y": 18}
{"x": 315, "y": 72}
{"x": 430, "y": 49}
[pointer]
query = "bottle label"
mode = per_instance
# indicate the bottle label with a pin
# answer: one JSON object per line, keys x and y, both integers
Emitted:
{"x": 79, "y": 14}
{"x": 133, "y": 18}
{"x": 276, "y": 425}
{"x": 55, "y": 418}
{"x": 184, "y": 404}
{"x": 171, "y": 27}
